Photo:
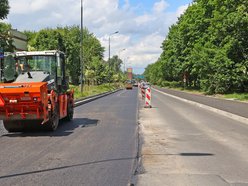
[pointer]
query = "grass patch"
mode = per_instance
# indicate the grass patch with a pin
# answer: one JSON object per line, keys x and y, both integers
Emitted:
{"x": 237, "y": 96}
{"x": 93, "y": 90}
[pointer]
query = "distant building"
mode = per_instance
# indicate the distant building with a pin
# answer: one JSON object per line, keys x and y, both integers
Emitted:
{"x": 20, "y": 40}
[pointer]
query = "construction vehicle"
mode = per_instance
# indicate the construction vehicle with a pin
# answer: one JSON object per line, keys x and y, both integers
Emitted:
{"x": 7, "y": 68}
{"x": 128, "y": 84}
{"x": 130, "y": 74}
{"x": 39, "y": 96}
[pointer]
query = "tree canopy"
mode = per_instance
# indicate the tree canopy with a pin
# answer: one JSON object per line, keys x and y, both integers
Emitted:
{"x": 4, "y": 9}
{"x": 207, "y": 48}
{"x": 5, "y": 40}
{"x": 67, "y": 39}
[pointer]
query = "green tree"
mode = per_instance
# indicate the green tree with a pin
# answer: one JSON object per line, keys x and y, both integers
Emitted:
{"x": 208, "y": 46}
{"x": 100, "y": 70}
{"x": 5, "y": 40}
{"x": 4, "y": 9}
{"x": 67, "y": 39}
{"x": 49, "y": 39}
{"x": 115, "y": 64}
{"x": 114, "y": 69}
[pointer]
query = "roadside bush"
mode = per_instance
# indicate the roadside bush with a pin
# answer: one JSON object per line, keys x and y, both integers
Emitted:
{"x": 159, "y": 82}
{"x": 207, "y": 86}
{"x": 175, "y": 84}
{"x": 165, "y": 84}
{"x": 171, "y": 84}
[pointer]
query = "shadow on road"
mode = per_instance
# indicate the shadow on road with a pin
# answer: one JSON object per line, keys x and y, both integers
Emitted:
{"x": 196, "y": 154}
{"x": 182, "y": 154}
{"x": 65, "y": 167}
{"x": 85, "y": 122}
{"x": 65, "y": 128}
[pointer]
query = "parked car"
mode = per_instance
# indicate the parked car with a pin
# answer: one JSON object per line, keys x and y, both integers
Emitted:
{"x": 135, "y": 84}
{"x": 145, "y": 85}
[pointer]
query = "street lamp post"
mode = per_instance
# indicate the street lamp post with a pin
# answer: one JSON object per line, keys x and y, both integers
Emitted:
{"x": 81, "y": 49}
{"x": 109, "y": 42}
{"x": 109, "y": 53}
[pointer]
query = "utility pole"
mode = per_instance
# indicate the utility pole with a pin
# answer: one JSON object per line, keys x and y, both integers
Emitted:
{"x": 109, "y": 42}
{"x": 81, "y": 49}
{"x": 109, "y": 52}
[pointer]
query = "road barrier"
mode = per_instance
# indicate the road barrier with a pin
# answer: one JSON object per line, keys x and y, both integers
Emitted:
{"x": 143, "y": 92}
{"x": 148, "y": 98}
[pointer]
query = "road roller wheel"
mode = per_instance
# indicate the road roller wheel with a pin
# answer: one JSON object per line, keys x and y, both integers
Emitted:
{"x": 70, "y": 112}
{"x": 13, "y": 126}
{"x": 53, "y": 122}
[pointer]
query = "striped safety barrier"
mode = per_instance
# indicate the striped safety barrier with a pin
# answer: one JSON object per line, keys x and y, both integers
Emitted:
{"x": 143, "y": 91}
{"x": 148, "y": 98}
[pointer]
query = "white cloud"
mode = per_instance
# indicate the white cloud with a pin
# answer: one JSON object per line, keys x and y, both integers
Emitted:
{"x": 29, "y": 6}
{"x": 160, "y": 6}
{"x": 181, "y": 10}
{"x": 144, "y": 19}
{"x": 146, "y": 51}
{"x": 39, "y": 5}
{"x": 140, "y": 34}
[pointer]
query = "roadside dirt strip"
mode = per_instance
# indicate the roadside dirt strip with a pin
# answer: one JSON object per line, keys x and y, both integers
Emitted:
{"x": 185, "y": 145}
{"x": 155, "y": 143}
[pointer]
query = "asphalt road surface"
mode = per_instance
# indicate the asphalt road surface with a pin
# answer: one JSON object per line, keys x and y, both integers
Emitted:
{"x": 99, "y": 147}
{"x": 188, "y": 145}
{"x": 231, "y": 106}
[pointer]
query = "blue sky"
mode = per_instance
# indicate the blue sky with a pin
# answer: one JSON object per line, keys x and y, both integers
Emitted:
{"x": 142, "y": 24}
{"x": 145, "y": 5}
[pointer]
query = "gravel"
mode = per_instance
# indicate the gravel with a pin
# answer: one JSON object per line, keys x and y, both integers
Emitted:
{"x": 2, "y": 129}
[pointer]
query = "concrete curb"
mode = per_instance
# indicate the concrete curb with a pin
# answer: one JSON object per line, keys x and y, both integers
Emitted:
{"x": 79, "y": 102}
{"x": 221, "y": 112}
